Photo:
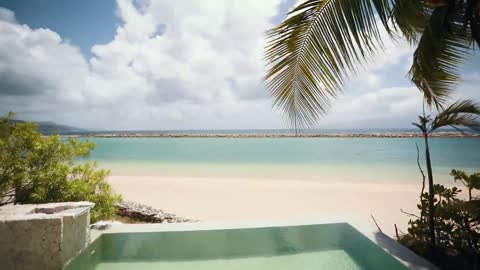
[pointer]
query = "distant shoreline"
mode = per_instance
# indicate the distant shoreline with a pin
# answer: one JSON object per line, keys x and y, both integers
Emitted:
{"x": 241, "y": 136}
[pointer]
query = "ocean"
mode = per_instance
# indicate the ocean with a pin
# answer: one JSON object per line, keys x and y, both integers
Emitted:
{"x": 315, "y": 159}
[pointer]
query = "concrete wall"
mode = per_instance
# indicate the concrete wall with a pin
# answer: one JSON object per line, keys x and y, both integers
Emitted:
{"x": 76, "y": 235}
{"x": 42, "y": 236}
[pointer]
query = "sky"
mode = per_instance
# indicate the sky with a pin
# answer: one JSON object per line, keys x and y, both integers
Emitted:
{"x": 177, "y": 64}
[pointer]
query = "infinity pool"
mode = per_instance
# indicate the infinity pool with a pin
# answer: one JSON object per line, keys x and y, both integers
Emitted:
{"x": 325, "y": 246}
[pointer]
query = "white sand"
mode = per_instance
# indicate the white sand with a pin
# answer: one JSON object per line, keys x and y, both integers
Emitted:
{"x": 230, "y": 199}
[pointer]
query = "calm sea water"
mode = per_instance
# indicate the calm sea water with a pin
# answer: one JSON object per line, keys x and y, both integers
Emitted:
{"x": 349, "y": 159}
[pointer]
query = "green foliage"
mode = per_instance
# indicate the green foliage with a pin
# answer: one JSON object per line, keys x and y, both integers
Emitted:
{"x": 457, "y": 227}
{"x": 440, "y": 53}
{"x": 321, "y": 43}
{"x": 461, "y": 113}
{"x": 42, "y": 169}
{"x": 469, "y": 181}
{"x": 87, "y": 183}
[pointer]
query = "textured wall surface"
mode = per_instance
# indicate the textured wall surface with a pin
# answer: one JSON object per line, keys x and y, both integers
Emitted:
{"x": 75, "y": 235}
{"x": 31, "y": 244}
{"x": 42, "y": 236}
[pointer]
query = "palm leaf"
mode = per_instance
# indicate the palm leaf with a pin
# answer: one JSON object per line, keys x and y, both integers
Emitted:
{"x": 315, "y": 49}
{"x": 437, "y": 60}
{"x": 422, "y": 123}
{"x": 410, "y": 18}
{"x": 472, "y": 18}
{"x": 461, "y": 113}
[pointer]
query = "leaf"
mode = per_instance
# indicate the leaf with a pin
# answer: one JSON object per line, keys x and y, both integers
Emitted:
{"x": 316, "y": 49}
{"x": 437, "y": 60}
{"x": 410, "y": 18}
{"x": 322, "y": 42}
{"x": 461, "y": 113}
{"x": 472, "y": 19}
{"x": 473, "y": 207}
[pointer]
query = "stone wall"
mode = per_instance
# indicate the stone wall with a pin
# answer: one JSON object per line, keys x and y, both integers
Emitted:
{"x": 42, "y": 236}
{"x": 76, "y": 235}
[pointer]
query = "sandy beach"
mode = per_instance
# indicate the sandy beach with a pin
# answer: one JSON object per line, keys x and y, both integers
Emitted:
{"x": 238, "y": 200}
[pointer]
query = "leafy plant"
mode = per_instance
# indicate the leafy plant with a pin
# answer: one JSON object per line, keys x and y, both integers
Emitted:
{"x": 469, "y": 181}
{"x": 461, "y": 113}
{"x": 457, "y": 226}
{"x": 321, "y": 43}
{"x": 42, "y": 169}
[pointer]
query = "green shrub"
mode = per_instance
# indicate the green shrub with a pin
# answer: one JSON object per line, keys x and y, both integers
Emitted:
{"x": 457, "y": 226}
{"x": 42, "y": 169}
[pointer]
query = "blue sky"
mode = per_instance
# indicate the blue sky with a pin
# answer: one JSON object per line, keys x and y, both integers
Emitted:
{"x": 84, "y": 23}
{"x": 173, "y": 64}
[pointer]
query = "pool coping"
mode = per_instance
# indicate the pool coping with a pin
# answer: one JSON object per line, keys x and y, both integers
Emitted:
{"x": 392, "y": 247}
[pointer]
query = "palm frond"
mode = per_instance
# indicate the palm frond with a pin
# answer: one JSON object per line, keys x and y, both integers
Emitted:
{"x": 472, "y": 19}
{"x": 475, "y": 28}
{"x": 459, "y": 175}
{"x": 410, "y": 18}
{"x": 422, "y": 123}
{"x": 438, "y": 57}
{"x": 422, "y": 128}
{"x": 461, "y": 113}
{"x": 315, "y": 49}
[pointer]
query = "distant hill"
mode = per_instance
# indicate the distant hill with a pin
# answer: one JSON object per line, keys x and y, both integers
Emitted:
{"x": 49, "y": 128}
{"x": 53, "y": 128}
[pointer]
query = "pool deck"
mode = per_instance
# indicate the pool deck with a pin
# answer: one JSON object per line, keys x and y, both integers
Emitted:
{"x": 400, "y": 252}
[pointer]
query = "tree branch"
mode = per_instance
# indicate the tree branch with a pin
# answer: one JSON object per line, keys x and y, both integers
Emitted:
{"x": 380, "y": 229}
{"x": 423, "y": 181}
{"x": 409, "y": 214}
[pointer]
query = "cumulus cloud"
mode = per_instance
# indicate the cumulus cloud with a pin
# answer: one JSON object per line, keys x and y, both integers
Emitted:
{"x": 210, "y": 49}
{"x": 173, "y": 65}
{"x": 37, "y": 66}
{"x": 7, "y": 15}
{"x": 385, "y": 107}
{"x": 179, "y": 55}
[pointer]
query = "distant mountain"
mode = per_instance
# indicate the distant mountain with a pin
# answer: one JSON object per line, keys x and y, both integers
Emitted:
{"x": 53, "y": 128}
{"x": 49, "y": 128}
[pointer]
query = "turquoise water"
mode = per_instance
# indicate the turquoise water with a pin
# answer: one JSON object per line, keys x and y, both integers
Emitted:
{"x": 309, "y": 158}
{"x": 326, "y": 246}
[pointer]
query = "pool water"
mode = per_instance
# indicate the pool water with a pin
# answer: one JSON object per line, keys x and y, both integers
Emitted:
{"x": 330, "y": 259}
{"x": 325, "y": 246}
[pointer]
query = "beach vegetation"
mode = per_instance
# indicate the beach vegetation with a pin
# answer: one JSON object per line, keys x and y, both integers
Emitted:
{"x": 448, "y": 229}
{"x": 321, "y": 43}
{"x": 471, "y": 182}
{"x": 38, "y": 169}
{"x": 461, "y": 113}
{"x": 457, "y": 226}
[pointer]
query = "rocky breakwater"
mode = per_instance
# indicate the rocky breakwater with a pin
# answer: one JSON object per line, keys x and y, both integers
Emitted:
{"x": 443, "y": 134}
{"x": 147, "y": 213}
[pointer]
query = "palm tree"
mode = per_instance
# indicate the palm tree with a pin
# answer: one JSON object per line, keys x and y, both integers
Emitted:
{"x": 470, "y": 181}
{"x": 321, "y": 43}
{"x": 461, "y": 113}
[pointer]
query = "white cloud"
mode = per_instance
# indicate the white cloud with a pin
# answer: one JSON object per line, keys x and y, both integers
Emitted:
{"x": 178, "y": 65}
{"x": 36, "y": 65}
{"x": 167, "y": 60}
{"x": 7, "y": 15}
{"x": 386, "y": 107}
{"x": 372, "y": 79}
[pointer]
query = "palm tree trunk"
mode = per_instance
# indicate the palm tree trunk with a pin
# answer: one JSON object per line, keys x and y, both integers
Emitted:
{"x": 431, "y": 195}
